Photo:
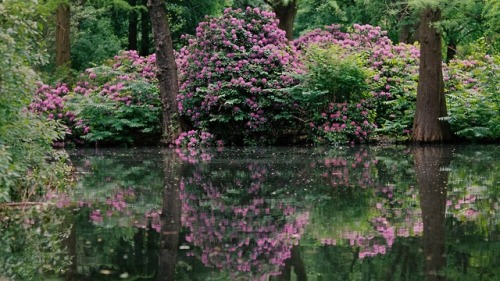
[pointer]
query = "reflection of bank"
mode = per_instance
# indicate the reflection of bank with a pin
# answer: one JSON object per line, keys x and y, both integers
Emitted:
{"x": 431, "y": 168}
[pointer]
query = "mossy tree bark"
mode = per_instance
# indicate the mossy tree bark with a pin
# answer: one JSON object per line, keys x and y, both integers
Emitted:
{"x": 431, "y": 103}
{"x": 167, "y": 70}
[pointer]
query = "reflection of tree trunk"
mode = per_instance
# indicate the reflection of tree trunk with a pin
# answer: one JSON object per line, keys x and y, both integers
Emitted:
{"x": 297, "y": 263}
{"x": 70, "y": 244}
{"x": 170, "y": 217}
{"x": 432, "y": 176}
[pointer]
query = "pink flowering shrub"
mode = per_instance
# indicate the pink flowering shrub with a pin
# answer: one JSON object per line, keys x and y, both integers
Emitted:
{"x": 50, "y": 102}
{"x": 391, "y": 72}
{"x": 117, "y": 102}
{"x": 231, "y": 75}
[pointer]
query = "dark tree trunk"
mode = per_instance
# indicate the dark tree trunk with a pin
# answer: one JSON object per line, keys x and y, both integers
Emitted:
{"x": 451, "y": 49}
{"x": 167, "y": 70}
{"x": 431, "y": 165}
{"x": 132, "y": 26}
{"x": 145, "y": 48}
{"x": 431, "y": 103}
{"x": 285, "y": 13}
{"x": 63, "y": 34}
{"x": 170, "y": 217}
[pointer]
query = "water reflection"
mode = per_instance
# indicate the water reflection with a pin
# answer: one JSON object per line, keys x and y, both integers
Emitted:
{"x": 432, "y": 169}
{"x": 367, "y": 213}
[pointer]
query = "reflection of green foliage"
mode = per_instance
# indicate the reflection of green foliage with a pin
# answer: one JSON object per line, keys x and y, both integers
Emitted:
{"x": 103, "y": 176}
{"x": 32, "y": 243}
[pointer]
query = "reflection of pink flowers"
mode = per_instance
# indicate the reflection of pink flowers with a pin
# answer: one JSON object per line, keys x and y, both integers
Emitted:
{"x": 239, "y": 236}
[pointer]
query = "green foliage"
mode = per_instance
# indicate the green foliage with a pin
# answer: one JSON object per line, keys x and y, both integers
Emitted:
{"x": 473, "y": 96}
{"x": 123, "y": 107}
{"x": 94, "y": 41}
{"x": 29, "y": 164}
{"x": 340, "y": 76}
{"x": 32, "y": 243}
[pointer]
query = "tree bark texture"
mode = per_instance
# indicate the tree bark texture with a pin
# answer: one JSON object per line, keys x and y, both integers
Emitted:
{"x": 170, "y": 217}
{"x": 431, "y": 163}
{"x": 285, "y": 13}
{"x": 167, "y": 70}
{"x": 132, "y": 26}
{"x": 431, "y": 103}
{"x": 63, "y": 34}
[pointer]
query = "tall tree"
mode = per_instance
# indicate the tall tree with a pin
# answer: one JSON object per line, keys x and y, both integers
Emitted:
{"x": 431, "y": 103}
{"x": 63, "y": 34}
{"x": 285, "y": 11}
{"x": 167, "y": 70}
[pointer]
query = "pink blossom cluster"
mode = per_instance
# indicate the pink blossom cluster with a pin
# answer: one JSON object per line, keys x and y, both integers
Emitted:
{"x": 194, "y": 138}
{"x": 230, "y": 72}
{"x": 51, "y": 102}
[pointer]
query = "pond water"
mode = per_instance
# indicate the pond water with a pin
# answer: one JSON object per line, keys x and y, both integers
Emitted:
{"x": 344, "y": 213}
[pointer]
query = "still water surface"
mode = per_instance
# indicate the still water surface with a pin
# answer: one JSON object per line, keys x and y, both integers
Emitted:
{"x": 361, "y": 213}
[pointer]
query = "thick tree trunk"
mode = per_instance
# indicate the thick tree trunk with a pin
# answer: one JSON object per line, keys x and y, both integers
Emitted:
{"x": 132, "y": 27}
{"x": 431, "y": 168}
{"x": 167, "y": 70}
{"x": 144, "y": 48}
{"x": 170, "y": 217}
{"x": 285, "y": 13}
{"x": 431, "y": 103}
{"x": 62, "y": 35}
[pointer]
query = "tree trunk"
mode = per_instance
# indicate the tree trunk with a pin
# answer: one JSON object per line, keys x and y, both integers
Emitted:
{"x": 132, "y": 26}
{"x": 62, "y": 35}
{"x": 145, "y": 47}
{"x": 286, "y": 15}
{"x": 431, "y": 165}
{"x": 451, "y": 49}
{"x": 431, "y": 103}
{"x": 167, "y": 70}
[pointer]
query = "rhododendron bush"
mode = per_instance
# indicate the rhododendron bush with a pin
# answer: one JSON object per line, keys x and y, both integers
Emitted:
{"x": 114, "y": 103}
{"x": 231, "y": 74}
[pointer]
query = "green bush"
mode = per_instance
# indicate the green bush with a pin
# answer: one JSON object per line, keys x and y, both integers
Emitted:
{"x": 29, "y": 166}
{"x": 473, "y": 96}
{"x": 337, "y": 74}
